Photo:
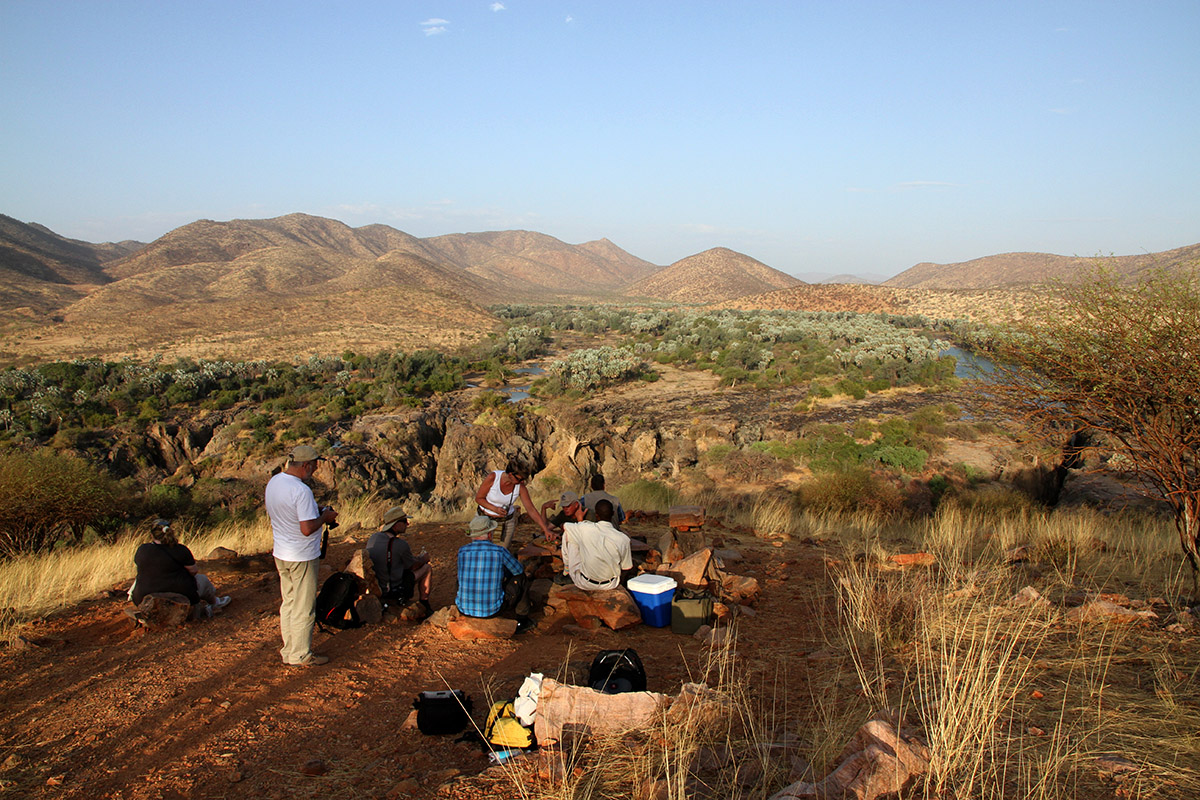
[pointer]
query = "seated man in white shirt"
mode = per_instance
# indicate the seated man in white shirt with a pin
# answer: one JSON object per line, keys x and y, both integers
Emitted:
{"x": 595, "y": 553}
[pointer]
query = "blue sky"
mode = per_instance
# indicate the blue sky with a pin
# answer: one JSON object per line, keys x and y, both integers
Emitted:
{"x": 818, "y": 137}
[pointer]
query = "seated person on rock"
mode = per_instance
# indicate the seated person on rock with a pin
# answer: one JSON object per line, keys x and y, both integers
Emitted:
{"x": 567, "y": 504}
{"x": 396, "y": 568}
{"x": 595, "y": 553}
{"x": 165, "y": 565}
{"x": 490, "y": 579}
{"x": 497, "y": 498}
{"x": 597, "y": 494}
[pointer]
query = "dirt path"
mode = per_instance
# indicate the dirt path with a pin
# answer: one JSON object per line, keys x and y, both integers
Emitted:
{"x": 97, "y": 708}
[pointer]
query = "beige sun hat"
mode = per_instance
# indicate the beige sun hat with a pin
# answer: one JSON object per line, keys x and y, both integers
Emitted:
{"x": 303, "y": 453}
{"x": 481, "y": 525}
{"x": 392, "y": 516}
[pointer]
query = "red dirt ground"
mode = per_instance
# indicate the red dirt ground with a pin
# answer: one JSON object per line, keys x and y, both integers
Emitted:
{"x": 95, "y": 707}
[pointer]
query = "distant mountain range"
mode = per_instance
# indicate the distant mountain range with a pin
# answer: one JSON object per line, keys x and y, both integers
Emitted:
{"x": 303, "y": 284}
{"x": 1024, "y": 269}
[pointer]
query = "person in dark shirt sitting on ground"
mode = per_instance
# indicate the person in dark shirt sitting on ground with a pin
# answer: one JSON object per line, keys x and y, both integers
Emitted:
{"x": 165, "y": 565}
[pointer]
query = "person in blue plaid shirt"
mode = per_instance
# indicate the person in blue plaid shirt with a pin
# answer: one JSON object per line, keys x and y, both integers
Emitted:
{"x": 490, "y": 579}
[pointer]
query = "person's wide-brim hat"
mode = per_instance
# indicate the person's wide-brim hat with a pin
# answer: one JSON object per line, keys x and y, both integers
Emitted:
{"x": 392, "y": 516}
{"x": 481, "y": 525}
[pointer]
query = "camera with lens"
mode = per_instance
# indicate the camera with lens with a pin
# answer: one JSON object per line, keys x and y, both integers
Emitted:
{"x": 329, "y": 525}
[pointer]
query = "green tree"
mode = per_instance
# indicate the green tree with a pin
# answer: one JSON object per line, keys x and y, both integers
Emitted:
{"x": 1120, "y": 363}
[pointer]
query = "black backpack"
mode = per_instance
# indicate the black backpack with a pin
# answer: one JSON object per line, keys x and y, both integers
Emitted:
{"x": 616, "y": 671}
{"x": 444, "y": 712}
{"x": 336, "y": 599}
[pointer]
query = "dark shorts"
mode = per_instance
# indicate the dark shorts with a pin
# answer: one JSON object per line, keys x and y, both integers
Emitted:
{"x": 402, "y": 593}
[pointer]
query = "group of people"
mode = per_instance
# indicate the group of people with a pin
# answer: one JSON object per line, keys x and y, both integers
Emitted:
{"x": 595, "y": 553}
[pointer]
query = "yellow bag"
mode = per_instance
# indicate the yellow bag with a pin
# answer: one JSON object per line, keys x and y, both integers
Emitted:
{"x": 503, "y": 729}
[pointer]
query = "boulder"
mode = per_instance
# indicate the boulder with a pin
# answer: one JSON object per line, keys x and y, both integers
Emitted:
{"x": 686, "y": 518}
{"x": 692, "y": 571}
{"x": 413, "y": 612}
{"x": 739, "y": 589}
{"x": 878, "y": 762}
{"x": 370, "y": 609}
{"x": 442, "y": 617}
{"x": 465, "y": 627}
{"x": 360, "y": 564}
{"x": 699, "y": 707}
{"x": 573, "y": 711}
{"x": 614, "y": 607}
{"x": 165, "y": 608}
{"x": 221, "y": 554}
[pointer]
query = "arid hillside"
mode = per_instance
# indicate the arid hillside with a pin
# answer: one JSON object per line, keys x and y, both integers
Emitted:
{"x": 713, "y": 276}
{"x": 983, "y": 305}
{"x": 1011, "y": 269}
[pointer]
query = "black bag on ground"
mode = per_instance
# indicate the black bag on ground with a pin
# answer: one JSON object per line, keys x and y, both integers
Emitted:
{"x": 441, "y": 713}
{"x": 335, "y": 601}
{"x": 616, "y": 671}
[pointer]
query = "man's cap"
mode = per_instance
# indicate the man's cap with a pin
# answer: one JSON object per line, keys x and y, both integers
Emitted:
{"x": 567, "y": 498}
{"x": 303, "y": 453}
{"x": 481, "y": 525}
{"x": 392, "y": 516}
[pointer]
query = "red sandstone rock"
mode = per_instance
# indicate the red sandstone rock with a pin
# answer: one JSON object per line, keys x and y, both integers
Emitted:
{"x": 475, "y": 628}
{"x": 614, "y": 607}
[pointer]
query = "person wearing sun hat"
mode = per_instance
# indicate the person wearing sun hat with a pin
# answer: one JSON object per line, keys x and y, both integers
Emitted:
{"x": 296, "y": 525}
{"x": 567, "y": 503}
{"x": 398, "y": 570}
{"x": 490, "y": 579}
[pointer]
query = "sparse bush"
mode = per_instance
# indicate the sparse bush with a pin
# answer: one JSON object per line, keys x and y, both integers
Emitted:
{"x": 45, "y": 495}
{"x": 850, "y": 490}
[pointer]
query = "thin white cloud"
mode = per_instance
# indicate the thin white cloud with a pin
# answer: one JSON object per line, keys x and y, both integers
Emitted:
{"x": 927, "y": 185}
{"x": 434, "y": 21}
{"x": 496, "y": 6}
{"x": 435, "y": 30}
{"x": 570, "y": 19}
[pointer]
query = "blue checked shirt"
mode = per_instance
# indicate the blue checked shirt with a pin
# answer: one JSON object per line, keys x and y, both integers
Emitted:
{"x": 481, "y": 570}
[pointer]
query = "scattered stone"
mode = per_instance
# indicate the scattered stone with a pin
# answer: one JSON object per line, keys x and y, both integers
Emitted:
{"x": 1029, "y": 597}
{"x": 686, "y": 518}
{"x": 360, "y": 565}
{"x": 654, "y": 790}
{"x": 728, "y": 556}
{"x": 465, "y": 627}
{"x": 165, "y": 608}
{"x": 1106, "y": 611}
{"x": 1176, "y": 628}
{"x": 413, "y": 612}
{"x": 410, "y": 722}
{"x": 441, "y": 617}
{"x": 221, "y": 554}
{"x": 539, "y": 591}
{"x": 1113, "y": 766}
{"x": 801, "y": 769}
{"x": 1034, "y": 730}
{"x": 699, "y": 707}
{"x": 614, "y": 607}
{"x": 746, "y": 611}
{"x": 878, "y": 762}
{"x": 314, "y": 768}
{"x": 740, "y": 589}
{"x": 580, "y": 710}
{"x": 405, "y": 788}
{"x": 903, "y": 560}
{"x": 1017, "y": 555}
{"x": 723, "y": 612}
{"x": 711, "y": 759}
{"x": 56, "y": 780}
{"x": 370, "y": 609}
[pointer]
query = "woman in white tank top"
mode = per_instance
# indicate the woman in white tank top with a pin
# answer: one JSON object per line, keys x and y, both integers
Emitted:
{"x": 497, "y": 498}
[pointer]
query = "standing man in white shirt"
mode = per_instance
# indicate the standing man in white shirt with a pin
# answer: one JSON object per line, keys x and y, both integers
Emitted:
{"x": 297, "y": 523}
{"x": 595, "y": 553}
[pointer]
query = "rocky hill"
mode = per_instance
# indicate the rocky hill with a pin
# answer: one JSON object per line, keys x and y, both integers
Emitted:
{"x": 981, "y": 305}
{"x": 714, "y": 276}
{"x": 1011, "y": 269}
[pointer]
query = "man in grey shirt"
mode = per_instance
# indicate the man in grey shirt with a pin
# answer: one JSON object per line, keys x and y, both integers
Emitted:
{"x": 597, "y": 494}
{"x": 396, "y": 568}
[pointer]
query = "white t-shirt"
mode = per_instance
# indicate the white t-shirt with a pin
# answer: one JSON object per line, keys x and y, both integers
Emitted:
{"x": 594, "y": 553}
{"x": 289, "y": 500}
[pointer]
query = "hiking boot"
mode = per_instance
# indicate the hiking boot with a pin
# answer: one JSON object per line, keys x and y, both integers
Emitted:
{"x": 523, "y": 624}
{"x": 221, "y": 602}
{"x": 315, "y": 660}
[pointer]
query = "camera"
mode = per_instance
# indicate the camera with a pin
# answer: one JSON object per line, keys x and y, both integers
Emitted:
{"x": 329, "y": 525}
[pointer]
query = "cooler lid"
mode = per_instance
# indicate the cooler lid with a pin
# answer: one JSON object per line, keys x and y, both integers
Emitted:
{"x": 651, "y": 584}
